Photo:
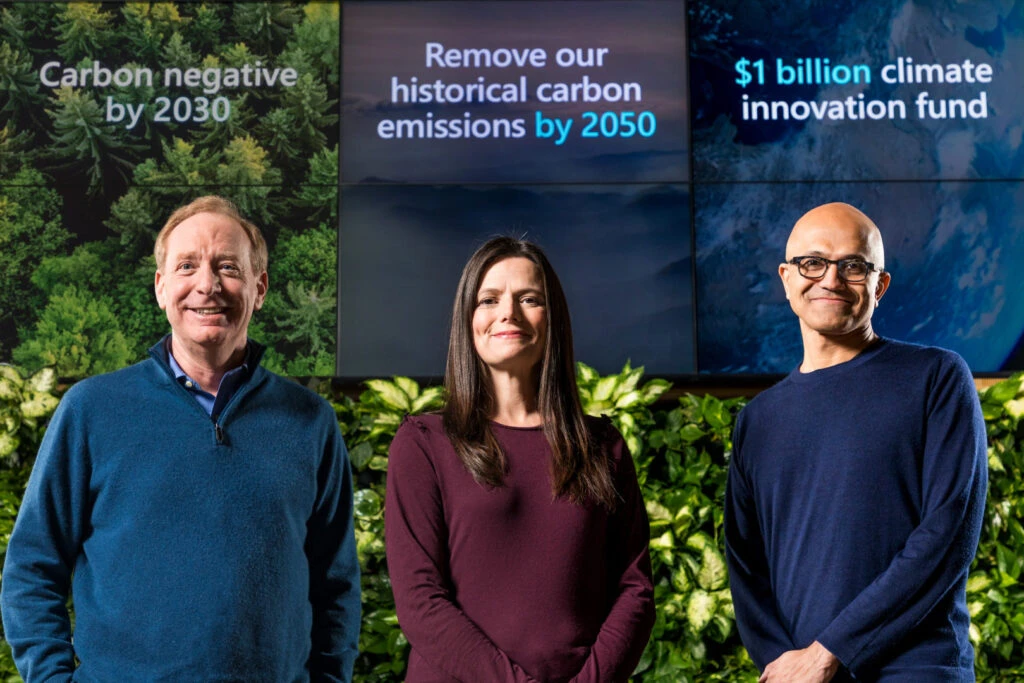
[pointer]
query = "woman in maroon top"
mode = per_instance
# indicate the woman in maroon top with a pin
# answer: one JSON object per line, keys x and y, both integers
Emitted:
{"x": 516, "y": 534}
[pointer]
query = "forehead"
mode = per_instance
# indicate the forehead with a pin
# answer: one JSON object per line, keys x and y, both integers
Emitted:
{"x": 206, "y": 231}
{"x": 516, "y": 270}
{"x": 831, "y": 234}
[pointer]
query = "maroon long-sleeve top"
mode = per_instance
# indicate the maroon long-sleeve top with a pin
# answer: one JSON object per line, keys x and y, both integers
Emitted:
{"x": 509, "y": 584}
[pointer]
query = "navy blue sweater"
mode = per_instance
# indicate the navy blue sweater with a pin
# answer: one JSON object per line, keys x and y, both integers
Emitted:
{"x": 853, "y": 510}
{"x": 199, "y": 550}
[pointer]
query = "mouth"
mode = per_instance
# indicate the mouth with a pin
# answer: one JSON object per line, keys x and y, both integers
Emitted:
{"x": 509, "y": 335}
{"x": 214, "y": 310}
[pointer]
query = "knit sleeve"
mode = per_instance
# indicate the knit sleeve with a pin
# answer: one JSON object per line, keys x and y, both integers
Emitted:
{"x": 416, "y": 539}
{"x": 334, "y": 590}
{"x": 623, "y": 636}
{"x": 757, "y": 619}
{"x": 938, "y": 553}
{"x": 43, "y": 549}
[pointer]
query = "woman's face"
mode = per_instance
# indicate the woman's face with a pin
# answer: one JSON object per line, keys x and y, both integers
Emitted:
{"x": 510, "y": 320}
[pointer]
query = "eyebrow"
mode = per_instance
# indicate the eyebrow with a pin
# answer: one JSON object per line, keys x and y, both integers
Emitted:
{"x": 848, "y": 257}
{"x": 193, "y": 255}
{"x": 494, "y": 290}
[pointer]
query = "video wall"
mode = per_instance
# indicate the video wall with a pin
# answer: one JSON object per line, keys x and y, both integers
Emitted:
{"x": 658, "y": 150}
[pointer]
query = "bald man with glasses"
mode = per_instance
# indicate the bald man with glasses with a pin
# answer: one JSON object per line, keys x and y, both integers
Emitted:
{"x": 857, "y": 484}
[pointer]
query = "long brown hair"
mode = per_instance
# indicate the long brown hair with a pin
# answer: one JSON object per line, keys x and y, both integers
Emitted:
{"x": 579, "y": 469}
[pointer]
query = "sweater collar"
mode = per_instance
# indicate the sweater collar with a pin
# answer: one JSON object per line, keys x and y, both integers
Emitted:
{"x": 253, "y": 354}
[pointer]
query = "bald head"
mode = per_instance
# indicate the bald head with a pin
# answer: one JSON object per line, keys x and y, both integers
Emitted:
{"x": 836, "y": 222}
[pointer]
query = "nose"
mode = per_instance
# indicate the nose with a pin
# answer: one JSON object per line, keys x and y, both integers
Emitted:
{"x": 509, "y": 308}
{"x": 831, "y": 279}
{"x": 208, "y": 281}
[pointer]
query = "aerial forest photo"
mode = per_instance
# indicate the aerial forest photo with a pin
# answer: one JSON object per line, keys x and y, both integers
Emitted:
{"x": 112, "y": 115}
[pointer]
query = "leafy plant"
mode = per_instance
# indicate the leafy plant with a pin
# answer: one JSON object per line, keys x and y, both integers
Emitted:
{"x": 25, "y": 406}
{"x": 694, "y": 635}
{"x": 995, "y": 593}
{"x": 76, "y": 334}
{"x": 368, "y": 425}
{"x": 620, "y": 398}
{"x": 682, "y": 455}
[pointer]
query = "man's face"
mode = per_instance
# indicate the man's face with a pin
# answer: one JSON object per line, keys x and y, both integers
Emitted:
{"x": 207, "y": 285}
{"x": 832, "y": 306}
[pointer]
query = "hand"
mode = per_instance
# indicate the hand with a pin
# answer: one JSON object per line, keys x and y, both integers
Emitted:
{"x": 813, "y": 664}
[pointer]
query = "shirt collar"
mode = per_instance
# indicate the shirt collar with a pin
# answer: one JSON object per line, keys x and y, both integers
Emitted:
{"x": 183, "y": 378}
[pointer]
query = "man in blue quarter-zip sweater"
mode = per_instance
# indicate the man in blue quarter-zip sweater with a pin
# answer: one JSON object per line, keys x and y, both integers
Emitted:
{"x": 857, "y": 484}
{"x": 197, "y": 506}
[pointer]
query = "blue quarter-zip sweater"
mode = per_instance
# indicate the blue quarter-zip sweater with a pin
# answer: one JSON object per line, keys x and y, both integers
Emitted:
{"x": 194, "y": 549}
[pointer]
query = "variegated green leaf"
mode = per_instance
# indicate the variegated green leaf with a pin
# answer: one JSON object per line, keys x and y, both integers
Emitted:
{"x": 390, "y": 394}
{"x": 9, "y": 389}
{"x": 39, "y": 404}
{"x": 431, "y": 397}
{"x": 681, "y": 581}
{"x": 390, "y": 419}
{"x": 653, "y": 390}
{"x": 700, "y": 541}
{"x": 410, "y": 387}
{"x": 628, "y": 400}
{"x": 712, "y": 575}
{"x": 604, "y": 389}
{"x": 1015, "y": 408}
{"x": 8, "y": 444}
{"x": 11, "y": 373}
{"x": 585, "y": 373}
{"x": 657, "y": 512}
{"x": 629, "y": 381}
{"x": 45, "y": 380}
{"x": 700, "y": 609}
{"x": 978, "y": 583}
{"x": 663, "y": 542}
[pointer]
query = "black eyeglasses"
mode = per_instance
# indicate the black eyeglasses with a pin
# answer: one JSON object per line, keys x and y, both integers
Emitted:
{"x": 849, "y": 269}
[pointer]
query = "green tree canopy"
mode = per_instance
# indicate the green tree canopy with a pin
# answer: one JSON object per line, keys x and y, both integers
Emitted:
{"x": 135, "y": 218}
{"x": 78, "y": 335}
{"x": 83, "y": 138}
{"x": 84, "y": 31}
{"x": 148, "y": 27}
{"x": 30, "y": 231}
{"x": 308, "y": 103}
{"x": 84, "y": 269}
{"x": 204, "y": 31}
{"x": 16, "y": 149}
{"x": 20, "y": 98}
{"x": 319, "y": 194}
{"x": 316, "y": 42}
{"x": 142, "y": 319}
{"x": 267, "y": 25}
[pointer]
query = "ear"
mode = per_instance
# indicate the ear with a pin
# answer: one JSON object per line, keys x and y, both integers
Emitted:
{"x": 883, "y": 285}
{"x": 262, "y": 282}
{"x": 158, "y": 287}
{"x": 784, "y": 276}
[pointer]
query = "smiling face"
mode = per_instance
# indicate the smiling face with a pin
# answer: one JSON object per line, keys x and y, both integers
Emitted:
{"x": 510, "y": 320}
{"x": 830, "y": 306}
{"x": 207, "y": 285}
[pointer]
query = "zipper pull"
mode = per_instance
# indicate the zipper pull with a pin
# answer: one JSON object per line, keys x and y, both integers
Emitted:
{"x": 219, "y": 432}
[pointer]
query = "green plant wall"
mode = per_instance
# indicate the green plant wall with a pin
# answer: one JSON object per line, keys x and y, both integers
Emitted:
{"x": 681, "y": 450}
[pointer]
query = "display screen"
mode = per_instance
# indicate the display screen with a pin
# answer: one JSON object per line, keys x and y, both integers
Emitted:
{"x": 659, "y": 151}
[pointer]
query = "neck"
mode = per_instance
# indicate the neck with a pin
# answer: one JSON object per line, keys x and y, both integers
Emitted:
{"x": 515, "y": 400}
{"x": 206, "y": 365}
{"x": 823, "y": 351}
